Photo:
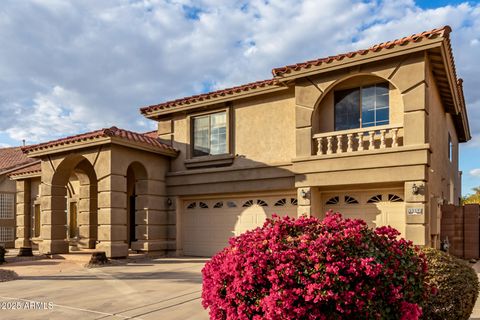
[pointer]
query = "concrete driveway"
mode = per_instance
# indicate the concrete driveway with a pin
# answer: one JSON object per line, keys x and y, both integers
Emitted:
{"x": 163, "y": 288}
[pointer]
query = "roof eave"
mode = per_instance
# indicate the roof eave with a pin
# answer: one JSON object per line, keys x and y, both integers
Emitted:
{"x": 362, "y": 59}
{"x": 26, "y": 175}
{"x": 212, "y": 101}
{"x": 96, "y": 142}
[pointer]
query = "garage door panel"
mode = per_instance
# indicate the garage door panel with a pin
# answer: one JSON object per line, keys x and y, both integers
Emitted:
{"x": 206, "y": 231}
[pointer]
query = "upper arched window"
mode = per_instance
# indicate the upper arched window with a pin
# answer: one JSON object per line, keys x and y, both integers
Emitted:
{"x": 361, "y": 107}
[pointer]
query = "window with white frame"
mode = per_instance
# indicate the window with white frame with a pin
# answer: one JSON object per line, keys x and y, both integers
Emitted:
{"x": 210, "y": 134}
{"x": 450, "y": 148}
{"x": 7, "y": 202}
{"x": 6, "y": 234}
{"x": 361, "y": 107}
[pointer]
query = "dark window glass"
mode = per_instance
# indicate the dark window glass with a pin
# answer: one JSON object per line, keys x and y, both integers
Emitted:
{"x": 362, "y": 107}
{"x": 347, "y": 114}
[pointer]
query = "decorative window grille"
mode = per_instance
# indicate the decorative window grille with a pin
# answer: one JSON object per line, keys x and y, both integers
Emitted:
{"x": 6, "y": 234}
{"x": 375, "y": 199}
{"x": 293, "y": 201}
{"x": 192, "y": 205}
{"x": 280, "y": 203}
{"x": 262, "y": 203}
{"x": 333, "y": 200}
{"x": 231, "y": 204}
{"x": 203, "y": 205}
{"x": 218, "y": 205}
{"x": 350, "y": 200}
{"x": 247, "y": 204}
{"x": 7, "y": 202}
{"x": 394, "y": 198}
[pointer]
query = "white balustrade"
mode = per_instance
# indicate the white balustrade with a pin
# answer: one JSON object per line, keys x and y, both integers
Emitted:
{"x": 381, "y": 137}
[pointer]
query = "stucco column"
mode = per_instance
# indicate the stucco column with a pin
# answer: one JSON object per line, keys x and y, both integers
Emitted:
{"x": 112, "y": 216}
{"x": 23, "y": 215}
{"x": 417, "y": 218}
{"x": 87, "y": 216}
{"x": 53, "y": 219}
{"x": 151, "y": 216}
{"x": 308, "y": 201}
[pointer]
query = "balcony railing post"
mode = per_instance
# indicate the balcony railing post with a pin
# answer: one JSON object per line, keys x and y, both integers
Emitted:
{"x": 361, "y": 147}
{"x": 329, "y": 145}
{"x": 371, "y": 141}
{"x": 319, "y": 146}
{"x": 346, "y": 141}
{"x": 395, "y": 137}
{"x": 382, "y": 139}
{"x": 350, "y": 142}
{"x": 339, "y": 144}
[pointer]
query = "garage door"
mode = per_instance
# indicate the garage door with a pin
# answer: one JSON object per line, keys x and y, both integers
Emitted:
{"x": 208, "y": 224}
{"x": 376, "y": 208}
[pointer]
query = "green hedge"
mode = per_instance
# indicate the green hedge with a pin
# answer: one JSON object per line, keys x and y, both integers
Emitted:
{"x": 456, "y": 286}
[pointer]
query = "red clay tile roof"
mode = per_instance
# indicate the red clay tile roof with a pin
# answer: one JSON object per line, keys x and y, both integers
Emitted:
{"x": 445, "y": 31}
{"x": 278, "y": 72}
{"x": 151, "y": 134}
{"x": 102, "y": 133}
{"x": 209, "y": 95}
{"x": 35, "y": 167}
{"x": 13, "y": 157}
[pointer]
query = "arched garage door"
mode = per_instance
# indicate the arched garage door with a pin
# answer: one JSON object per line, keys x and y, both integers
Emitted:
{"x": 208, "y": 224}
{"x": 376, "y": 207}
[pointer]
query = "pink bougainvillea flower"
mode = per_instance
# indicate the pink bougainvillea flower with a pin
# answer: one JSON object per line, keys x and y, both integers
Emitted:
{"x": 308, "y": 268}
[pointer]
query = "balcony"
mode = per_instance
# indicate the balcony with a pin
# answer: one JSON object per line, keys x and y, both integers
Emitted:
{"x": 361, "y": 139}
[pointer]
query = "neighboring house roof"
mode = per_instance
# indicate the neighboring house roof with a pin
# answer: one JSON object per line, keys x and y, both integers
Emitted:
{"x": 32, "y": 169}
{"x": 11, "y": 158}
{"x": 99, "y": 136}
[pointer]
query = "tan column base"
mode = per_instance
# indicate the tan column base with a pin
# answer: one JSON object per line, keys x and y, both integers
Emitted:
{"x": 53, "y": 246}
{"x": 21, "y": 243}
{"x": 113, "y": 249}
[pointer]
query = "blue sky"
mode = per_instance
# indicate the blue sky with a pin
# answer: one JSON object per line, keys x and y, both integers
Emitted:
{"x": 82, "y": 65}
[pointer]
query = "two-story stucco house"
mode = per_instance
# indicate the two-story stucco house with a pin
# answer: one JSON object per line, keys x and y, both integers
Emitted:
{"x": 372, "y": 134}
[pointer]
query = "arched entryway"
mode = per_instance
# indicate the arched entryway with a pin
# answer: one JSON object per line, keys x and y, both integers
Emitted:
{"x": 136, "y": 179}
{"x": 69, "y": 206}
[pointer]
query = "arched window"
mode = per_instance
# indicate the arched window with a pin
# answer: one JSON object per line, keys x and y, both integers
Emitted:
{"x": 231, "y": 204}
{"x": 394, "y": 198}
{"x": 375, "y": 199}
{"x": 203, "y": 205}
{"x": 192, "y": 205}
{"x": 280, "y": 203}
{"x": 350, "y": 200}
{"x": 247, "y": 204}
{"x": 293, "y": 201}
{"x": 262, "y": 203}
{"x": 218, "y": 205}
{"x": 361, "y": 107}
{"x": 333, "y": 200}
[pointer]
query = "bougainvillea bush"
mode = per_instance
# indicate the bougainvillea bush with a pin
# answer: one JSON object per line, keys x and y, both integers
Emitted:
{"x": 308, "y": 268}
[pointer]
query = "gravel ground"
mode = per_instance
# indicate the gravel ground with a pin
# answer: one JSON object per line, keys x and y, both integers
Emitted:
{"x": 7, "y": 275}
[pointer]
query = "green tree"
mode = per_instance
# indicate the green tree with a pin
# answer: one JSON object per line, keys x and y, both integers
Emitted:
{"x": 472, "y": 198}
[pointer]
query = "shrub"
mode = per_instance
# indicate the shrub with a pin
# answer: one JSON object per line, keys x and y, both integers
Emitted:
{"x": 310, "y": 269}
{"x": 456, "y": 286}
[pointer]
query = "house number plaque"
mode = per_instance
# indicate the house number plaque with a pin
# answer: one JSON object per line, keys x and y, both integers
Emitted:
{"x": 414, "y": 211}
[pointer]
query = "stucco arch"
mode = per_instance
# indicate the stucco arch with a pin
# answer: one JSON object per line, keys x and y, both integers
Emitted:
{"x": 56, "y": 202}
{"x": 322, "y": 116}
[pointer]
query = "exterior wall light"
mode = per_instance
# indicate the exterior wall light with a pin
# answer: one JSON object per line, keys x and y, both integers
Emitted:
{"x": 304, "y": 193}
{"x": 169, "y": 202}
{"x": 415, "y": 189}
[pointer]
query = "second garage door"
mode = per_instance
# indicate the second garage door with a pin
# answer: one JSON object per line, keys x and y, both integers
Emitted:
{"x": 208, "y": 224}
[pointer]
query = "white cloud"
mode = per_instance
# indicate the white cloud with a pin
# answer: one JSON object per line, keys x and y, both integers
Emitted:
{"x": 77, "y": 66}
{"x": 475, "y": 172}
